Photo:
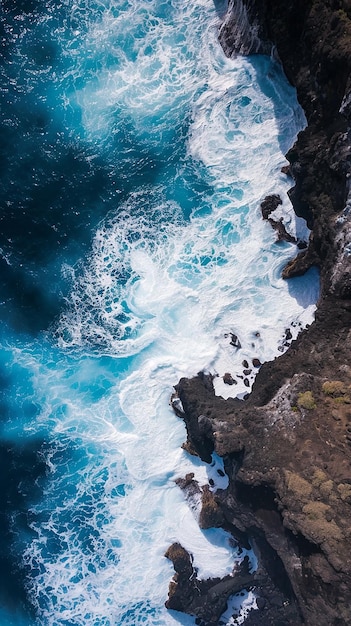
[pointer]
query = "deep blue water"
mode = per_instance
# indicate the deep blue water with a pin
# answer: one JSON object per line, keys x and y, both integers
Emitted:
{"x": 134, "y": 157}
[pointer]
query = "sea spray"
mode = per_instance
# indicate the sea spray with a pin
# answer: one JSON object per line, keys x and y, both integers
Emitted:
{"x": 146, "y": 155}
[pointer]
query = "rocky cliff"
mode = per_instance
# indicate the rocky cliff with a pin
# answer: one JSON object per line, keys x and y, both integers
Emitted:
{"x": 287, "y": 448}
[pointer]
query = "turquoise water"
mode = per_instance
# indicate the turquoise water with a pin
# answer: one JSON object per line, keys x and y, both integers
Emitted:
{"x": 134, "y": 159}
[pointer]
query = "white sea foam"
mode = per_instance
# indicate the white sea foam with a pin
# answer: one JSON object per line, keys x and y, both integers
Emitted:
{"x": 242, "y": 123}
{"x": 112, "y": 508}
{"x": 158, "y": 297}
{"x": 148, "y": 56}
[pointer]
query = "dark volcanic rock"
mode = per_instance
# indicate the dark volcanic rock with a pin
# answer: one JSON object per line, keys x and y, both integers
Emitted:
{"x": 287, "y": 448}
{"x": 228, "y": 379}
{"x": 211, "y": 515}
{"x": 202, "y": 501}
{"x": 234, "y": 341}
{"x": 207, "y": 599}
{"x": 282, "y": 233}
{"x": 312, "y": 39}
{"x": 287, "y": 452}
{"x": 270, "y": 204}
{"x": 301, "y": 263}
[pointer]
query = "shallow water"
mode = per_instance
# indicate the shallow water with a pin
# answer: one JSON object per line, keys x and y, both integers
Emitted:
{"x": 134, "y": 160}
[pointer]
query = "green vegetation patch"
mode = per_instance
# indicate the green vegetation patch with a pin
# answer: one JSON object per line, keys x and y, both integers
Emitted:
{"x": 334, "y": 388}
{"x": 306, "y": 400}
{"x": 298, "y": 485}
{"x": 345, "y": 492}
{"x": 315, "y": 510}
{"x": 337, "y": 390}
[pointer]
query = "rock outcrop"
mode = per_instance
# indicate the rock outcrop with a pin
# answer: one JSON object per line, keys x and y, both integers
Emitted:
{"x": 207, "y": 599}
{"x": 287, "y": 447}
{"x": 312, "y": 38}
{"x": 287, "y": 451}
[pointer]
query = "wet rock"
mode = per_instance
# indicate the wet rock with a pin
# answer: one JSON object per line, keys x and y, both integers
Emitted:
{"x": 256, "y": 362}
{"x": 302, "y": 245}
{"x": 228, "y": 379}
{"x": 301, "y": 263}
{"x": 282, "y": 233}
{"x": 181, "y": 559}
{"x": 285, "y": 487}
{"x": 270, "y": 204}
{"x": 202, "y": 501}
{"x": 211, "y": 514}
{"x": 289, "y": 467}
{"x": 205, "y": 599}
{"x": 177, "y": 405}
{"x": 288, "y": 335}
{"x": 235, "y": 341}
{"x": 185, "y": 482}
{"x": 286, "y": 170}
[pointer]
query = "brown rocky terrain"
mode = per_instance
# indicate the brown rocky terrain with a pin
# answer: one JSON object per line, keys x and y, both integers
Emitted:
{"x": 287, "y": 447}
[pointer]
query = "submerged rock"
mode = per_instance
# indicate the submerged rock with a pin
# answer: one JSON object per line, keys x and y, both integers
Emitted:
{"x": 235, "y": 341}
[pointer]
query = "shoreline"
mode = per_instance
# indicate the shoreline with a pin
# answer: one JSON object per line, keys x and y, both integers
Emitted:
{"x": 286, "y": 448}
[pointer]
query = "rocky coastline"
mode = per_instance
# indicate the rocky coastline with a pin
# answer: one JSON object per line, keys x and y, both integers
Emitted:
{"x": 287, "y": 447}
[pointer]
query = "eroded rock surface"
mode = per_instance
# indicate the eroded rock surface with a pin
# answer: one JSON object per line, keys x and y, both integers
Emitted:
{"x": 312, "y": 40}
{"x": 207, "y": 599}
{"x": 287, "y": 448}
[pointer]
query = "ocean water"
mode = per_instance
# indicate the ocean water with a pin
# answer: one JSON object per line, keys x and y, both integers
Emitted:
{"x": 134, "y": 159}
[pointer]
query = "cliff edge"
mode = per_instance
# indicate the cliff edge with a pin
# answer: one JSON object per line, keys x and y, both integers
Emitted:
{"x": 287, "y": 448}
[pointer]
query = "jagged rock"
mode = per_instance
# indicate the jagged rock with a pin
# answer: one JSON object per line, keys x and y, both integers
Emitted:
{"x": 202, "y": 501}
{"x": 270, "y": 204}
{"x": 287, "y": 447}
{"x": 234, "y": 341}
{"x": 287, "y": 454}
{"x": 211, "y": 515}
{"x": 240, "y": 32}
{"x": 228, "y": 379}
{"x": 288, "y": 335}
{"x": 340, "y": 275}
{"x": 301, "y": 263}
{"x": 181, "y": 560}
{"x": 282, "y": 233}
{"x": 206, "y": 599}
{"x": 176, "y": 405}
{"x": 312, "y": 39}
{"x": 286, "y": 170}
